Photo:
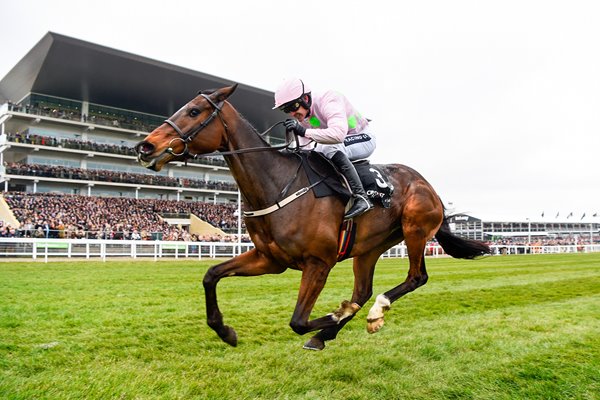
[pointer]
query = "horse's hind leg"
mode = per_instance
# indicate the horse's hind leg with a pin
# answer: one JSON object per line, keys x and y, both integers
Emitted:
{"x": 417, "y": 276}
{"x": 251, "y": 263}
{"x": 422, "y": 216}
{"x": 364, "y": 267}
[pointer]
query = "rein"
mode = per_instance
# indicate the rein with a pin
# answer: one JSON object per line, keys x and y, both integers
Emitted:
{"x": 283, "y": 146}
{"x": 186, "y": 138}
{"x": 285, "y": 201}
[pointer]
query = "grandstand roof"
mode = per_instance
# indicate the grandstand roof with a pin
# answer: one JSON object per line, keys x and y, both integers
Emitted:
{"x": 74, "y": 69}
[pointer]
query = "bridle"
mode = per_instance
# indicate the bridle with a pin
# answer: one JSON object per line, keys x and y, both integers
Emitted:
{"x": 188, "y": 137}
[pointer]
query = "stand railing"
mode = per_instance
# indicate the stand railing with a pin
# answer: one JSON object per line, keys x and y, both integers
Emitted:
{"x": 437, "y": 251}
{"x": 32, "y": 248}
{"x": 102, "y": 249}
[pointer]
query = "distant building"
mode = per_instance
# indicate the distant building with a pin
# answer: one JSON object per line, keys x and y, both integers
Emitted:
{"x": 71, "y": 111}
{"x": 475, "y": 228}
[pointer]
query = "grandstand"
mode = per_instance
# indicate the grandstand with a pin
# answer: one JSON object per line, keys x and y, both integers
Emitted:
{"x": 71, "y": 111}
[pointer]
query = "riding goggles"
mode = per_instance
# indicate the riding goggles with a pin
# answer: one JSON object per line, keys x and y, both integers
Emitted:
{"x": 290, "y": 107}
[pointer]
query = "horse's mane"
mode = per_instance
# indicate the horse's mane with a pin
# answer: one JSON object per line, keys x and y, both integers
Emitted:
{"x": 248, "y": 125}
{"x": 243, "y": 119}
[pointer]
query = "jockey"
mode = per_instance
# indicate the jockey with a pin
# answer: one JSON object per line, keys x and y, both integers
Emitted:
{"x": 339, "y": 131}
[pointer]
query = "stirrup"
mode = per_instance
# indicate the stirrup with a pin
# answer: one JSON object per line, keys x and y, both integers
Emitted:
{"x": 356, "y": 209}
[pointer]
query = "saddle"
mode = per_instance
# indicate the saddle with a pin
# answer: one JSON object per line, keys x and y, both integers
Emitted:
{"x": 319, "y": 168}
{"x": 328, "y": 181}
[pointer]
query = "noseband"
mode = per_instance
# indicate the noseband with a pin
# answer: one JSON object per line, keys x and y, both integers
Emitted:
{"x": 189, "y": 136}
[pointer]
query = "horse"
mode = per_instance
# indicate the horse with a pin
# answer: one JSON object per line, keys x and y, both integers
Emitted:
{"x": 302, "y": 234}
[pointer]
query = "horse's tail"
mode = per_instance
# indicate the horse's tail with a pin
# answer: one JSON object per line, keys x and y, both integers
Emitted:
{"x": 459, "y": 247}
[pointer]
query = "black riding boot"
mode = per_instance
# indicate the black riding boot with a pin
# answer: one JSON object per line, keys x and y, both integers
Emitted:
{"x": 361, "y": 201}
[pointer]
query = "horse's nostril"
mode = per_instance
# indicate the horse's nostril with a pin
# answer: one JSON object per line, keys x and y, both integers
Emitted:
{"x": 144, "y": 148}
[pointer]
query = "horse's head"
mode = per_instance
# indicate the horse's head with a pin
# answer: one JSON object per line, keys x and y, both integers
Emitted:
{"x": 197, "y": 128}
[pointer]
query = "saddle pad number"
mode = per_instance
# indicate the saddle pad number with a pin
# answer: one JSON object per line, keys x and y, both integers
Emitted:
{"x": 379, "y": 178}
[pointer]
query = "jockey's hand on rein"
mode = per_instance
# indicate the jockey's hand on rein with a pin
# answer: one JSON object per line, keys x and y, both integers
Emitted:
{"x": 294, "y": 126}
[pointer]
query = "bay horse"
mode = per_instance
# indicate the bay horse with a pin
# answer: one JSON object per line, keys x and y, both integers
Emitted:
{"x": 303, "y": 234}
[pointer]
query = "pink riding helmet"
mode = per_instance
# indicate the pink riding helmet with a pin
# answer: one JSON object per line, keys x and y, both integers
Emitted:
{"x": 291, "y": 89}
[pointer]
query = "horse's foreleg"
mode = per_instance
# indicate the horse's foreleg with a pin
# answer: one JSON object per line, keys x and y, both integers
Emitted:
{"x": 363, "y": 268}
{"x": 314, "y": 276}
{"x": 251, "y": 263}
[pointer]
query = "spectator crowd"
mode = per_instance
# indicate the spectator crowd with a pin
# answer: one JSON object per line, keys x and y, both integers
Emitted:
{"x": 61, "y": 172}
{"x": 77, "y": 144}
{"x": 77, "y": 217}
{"x": 566, "y": 240}
{"x": 94, "y": 117}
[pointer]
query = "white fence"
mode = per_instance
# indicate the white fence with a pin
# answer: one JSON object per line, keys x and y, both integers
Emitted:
{"x": 29, "y": 248}
{"x": 103, "y": 249}
{"x": 437, "y": 251}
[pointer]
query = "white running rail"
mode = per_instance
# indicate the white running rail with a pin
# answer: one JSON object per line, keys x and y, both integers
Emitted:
{"x": 32, "y": 248}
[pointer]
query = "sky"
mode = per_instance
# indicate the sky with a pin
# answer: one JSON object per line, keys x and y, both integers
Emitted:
{"x": 495, "y": 103}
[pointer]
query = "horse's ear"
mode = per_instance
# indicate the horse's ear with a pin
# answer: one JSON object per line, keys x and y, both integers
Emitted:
{"x": 223, "y": 93}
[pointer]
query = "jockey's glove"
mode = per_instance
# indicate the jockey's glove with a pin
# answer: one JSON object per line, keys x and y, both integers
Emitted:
{"x": 294, "y": 126}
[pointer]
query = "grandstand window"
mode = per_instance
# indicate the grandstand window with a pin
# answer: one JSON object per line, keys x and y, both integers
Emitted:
{"x": 53, "y": 161}
{"x": 43, "y": 188}
{"x": 129, "y": 119}
{"x": 51, "y": 133}
{"x": 188, "y": 174}
{"x": 142, "y": 170}
{"x": 122, "y": 168}
{"x": 104, "y": 192}
{"x": 42, "y": 100}
{"x": 56, "y": 107}
{"x": 151, "y": 195}
{"x": 115, "y": 142}
{"x": 221, "y": 178}
{"x": 202, "y": 176}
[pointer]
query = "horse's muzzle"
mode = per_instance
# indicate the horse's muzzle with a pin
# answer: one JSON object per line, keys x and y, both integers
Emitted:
{"x": 144, "y": 149}
{"x": 144, "y": 152}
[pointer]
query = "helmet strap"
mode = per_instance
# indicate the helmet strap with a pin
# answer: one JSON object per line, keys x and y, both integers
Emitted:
{"x": 306, "y": 103}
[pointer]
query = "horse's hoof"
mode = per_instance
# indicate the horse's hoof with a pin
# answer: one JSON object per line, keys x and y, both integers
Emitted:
{"x": 230, "y": 336}
{"x": 375, "y": 325}
{"x": 314, "y": 344}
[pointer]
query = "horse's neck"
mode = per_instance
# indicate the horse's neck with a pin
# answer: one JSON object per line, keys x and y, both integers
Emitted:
{"x": 260, "y": 175}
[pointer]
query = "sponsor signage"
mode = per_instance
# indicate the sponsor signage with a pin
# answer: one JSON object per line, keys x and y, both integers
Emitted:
{"x": 463, "y": 218}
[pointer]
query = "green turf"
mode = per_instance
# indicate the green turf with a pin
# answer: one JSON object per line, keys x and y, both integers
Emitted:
{"x": 507, "y": 327}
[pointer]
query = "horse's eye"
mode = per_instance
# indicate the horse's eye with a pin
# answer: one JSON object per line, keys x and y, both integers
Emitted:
{"x": 194, "y": 112}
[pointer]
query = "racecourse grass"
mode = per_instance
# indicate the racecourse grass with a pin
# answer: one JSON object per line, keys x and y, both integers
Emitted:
{"x": 505, "y": 327}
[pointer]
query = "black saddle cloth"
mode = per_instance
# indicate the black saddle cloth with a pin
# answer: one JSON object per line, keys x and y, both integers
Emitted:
{"x": 318, "y": 167}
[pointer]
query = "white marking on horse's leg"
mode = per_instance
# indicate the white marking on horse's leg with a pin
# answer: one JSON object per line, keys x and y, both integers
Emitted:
{"x": 346, "y": 310}
{"x": 382, "y": 304}
{"x": 375, "y": 316}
